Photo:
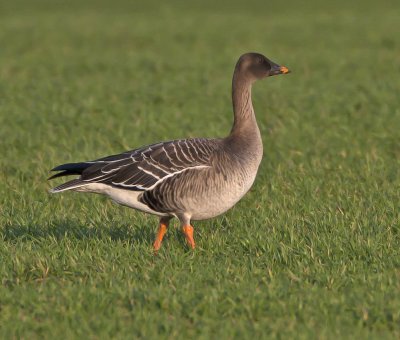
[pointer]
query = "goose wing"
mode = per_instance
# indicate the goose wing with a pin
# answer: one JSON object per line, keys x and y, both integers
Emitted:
{"x": 142, "y": 169}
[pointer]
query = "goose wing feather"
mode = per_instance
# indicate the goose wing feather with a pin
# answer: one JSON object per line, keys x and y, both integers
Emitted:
{"x": 142, "y": 169}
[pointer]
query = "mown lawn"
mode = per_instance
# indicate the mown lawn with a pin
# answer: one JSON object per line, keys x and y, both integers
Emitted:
{"x": 313, "y": 251}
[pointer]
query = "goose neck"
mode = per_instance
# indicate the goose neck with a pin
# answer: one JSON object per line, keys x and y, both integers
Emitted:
{"x": 244, "y": 117}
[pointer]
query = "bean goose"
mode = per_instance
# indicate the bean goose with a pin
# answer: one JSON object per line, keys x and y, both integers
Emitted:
{"x": 191, "y": 179}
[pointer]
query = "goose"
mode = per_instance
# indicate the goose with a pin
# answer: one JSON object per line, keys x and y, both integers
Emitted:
{"x": 189, "y": 179}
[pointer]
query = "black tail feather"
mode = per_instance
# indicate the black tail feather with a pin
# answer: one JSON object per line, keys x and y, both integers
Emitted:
{"x": 70, "y": 169}
{"x": 79, "y": 167}
{"x": 64, "y": 173}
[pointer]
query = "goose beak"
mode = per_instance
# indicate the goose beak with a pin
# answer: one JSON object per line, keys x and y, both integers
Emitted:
{"x": 284, "y": 69}
{"x": 276, "y": 69}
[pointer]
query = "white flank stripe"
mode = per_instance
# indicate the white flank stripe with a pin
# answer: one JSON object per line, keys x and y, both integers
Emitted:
{"x": 148, "y": 172}
{"x": 161, "y": 179}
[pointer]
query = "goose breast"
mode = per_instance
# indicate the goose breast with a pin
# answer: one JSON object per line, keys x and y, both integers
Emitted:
{"x": 204, "y": 193}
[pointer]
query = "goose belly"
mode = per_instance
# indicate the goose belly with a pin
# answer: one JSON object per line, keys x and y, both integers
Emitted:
{"x": 218, "y": 201}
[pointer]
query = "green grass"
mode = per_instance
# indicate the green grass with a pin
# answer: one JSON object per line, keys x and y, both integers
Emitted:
{"x": 313, "y": 251}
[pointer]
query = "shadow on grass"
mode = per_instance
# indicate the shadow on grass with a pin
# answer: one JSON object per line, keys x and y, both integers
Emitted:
{"x": 63, "y": 229}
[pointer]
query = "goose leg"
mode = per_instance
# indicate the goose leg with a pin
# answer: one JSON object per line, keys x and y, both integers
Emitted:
{"x": 162, "y": 230}
{"x": 188, "y": 231}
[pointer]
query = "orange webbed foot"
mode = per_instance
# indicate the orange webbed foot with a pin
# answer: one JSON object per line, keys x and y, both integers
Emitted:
{"x": 162, "y": 230}
{"x": 188, "y": 231}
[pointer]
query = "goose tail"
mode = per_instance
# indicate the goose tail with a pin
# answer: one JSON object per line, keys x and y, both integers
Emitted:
{"x": 74, "y": 184}
{"x": 67, "y": 170}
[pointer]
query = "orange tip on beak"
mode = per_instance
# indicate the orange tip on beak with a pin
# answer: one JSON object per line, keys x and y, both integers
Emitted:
{"x": 284, "y": 69}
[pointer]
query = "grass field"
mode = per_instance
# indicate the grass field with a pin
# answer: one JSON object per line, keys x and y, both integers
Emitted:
{"x": 313, "y": 251}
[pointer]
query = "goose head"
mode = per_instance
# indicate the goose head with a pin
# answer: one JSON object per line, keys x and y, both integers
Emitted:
{"x": 255, "y": 66}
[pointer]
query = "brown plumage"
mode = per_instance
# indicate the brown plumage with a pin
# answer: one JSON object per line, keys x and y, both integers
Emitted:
{"x": 191, "y": 179}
